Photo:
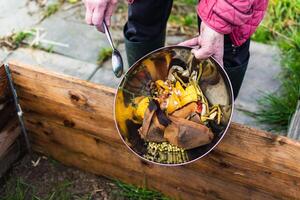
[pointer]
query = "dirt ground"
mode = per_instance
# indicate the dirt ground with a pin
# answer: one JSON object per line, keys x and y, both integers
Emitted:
{"x": 40, "y": 177}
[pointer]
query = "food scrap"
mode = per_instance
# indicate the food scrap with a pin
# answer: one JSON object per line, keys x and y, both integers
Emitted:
{"x": 176, "y": 116}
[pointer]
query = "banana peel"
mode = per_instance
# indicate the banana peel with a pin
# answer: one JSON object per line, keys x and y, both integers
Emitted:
{"x": 189, "y": 95}
{"x": 179, "y": 88}
{"x": 141, "y": 108}
{"x": 123, "y": 113}
{"x": 173, "y": 103}
{"x": 162, "y": 84}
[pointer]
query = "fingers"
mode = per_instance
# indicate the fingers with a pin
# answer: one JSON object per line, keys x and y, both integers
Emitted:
{"x": 109, "y": 11}
{"x": 191, "y": 42}
{"x": 202, "y": 53}
{"x": 218, "y": 55}
{"x": 99, "y": 10}
{"x": 98, "y": 14}
{"x": 89, "y": 14}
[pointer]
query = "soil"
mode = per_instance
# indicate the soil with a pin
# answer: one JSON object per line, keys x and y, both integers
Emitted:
{"x": 50, "y": 175}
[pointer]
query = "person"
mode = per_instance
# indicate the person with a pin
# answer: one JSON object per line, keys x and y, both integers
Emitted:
{"x": 225, "y": 27}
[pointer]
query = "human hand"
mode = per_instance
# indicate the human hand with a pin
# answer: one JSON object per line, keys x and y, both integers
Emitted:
{"x": 209, "y": 43}
{"x": 98, "y": 11}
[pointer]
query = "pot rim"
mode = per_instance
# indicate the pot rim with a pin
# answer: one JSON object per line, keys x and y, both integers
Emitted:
{"x": 219, "y": 66}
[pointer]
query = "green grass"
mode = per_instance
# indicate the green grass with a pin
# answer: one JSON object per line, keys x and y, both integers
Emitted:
{"x": 135, "y": 193}
{"x": 73, "y": 1}
{"x": 19, "y": 37}
{"x": 184, "y": 13}
{"x": 60, "y": 192}
{"x": 187, "y": 2}
{"x": 185, "y": 20}
{"x": 103, "y": 55}
{"x": 281, "y": 27}
{"x": 51, "y": 9}
{"x": 18, "y": 189}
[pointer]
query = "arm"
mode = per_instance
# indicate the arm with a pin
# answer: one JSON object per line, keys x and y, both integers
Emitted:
{"x": 223, "y": 15}
{"x": 239, "y": 18}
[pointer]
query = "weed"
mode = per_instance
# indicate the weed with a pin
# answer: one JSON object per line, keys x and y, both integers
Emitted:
{"x": 61, "y": 192}
{"x": 281, "y": 26}
{"x": 134, "y": 193}
{"x": 72, "y": 1}
{"x": 19, "y": 37}
{"x": 104, "y": 55}
{"x": 187, "y": 2}
{"x": 17, "y": 189}
{"x": 51, "y": 9}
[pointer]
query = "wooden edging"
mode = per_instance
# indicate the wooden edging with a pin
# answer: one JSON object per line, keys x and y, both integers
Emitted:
{"x": 10, "y": 150}
{"x": 72, "y": 121}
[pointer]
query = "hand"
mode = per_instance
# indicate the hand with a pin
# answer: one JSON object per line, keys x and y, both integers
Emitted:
{"x": 98, "y": 11}
{"x": 209, "y": 43}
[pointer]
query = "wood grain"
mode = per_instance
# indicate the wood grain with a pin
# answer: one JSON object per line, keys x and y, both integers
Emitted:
{"x": 8, "y": 135}
{"x": 72, "y": 120}
{"x": 10, "y": 149}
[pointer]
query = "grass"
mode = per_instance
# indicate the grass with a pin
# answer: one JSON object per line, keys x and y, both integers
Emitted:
{"x": 103, "y": 55}
{"x": 185, "y": 20}
{"x": 187, "y": 2}
{"x": 281, "y": 27}
{"x": 54, "y": 7}
{"x": 61, "y": 192}
{"x": 18, "y": 189}
{"x": 19, "y": 37}
{"x": 51, "y": 9}
{"x": 135, "y": 193}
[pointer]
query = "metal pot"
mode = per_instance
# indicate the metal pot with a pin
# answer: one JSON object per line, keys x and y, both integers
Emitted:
{"x": 214, "y": 83}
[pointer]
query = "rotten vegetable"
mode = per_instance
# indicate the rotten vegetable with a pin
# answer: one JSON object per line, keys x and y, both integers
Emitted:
{"x": 176, "y": 116}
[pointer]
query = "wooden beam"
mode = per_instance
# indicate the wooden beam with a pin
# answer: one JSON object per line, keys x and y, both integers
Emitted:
{"x": 8, "y": 136}
{"x": 294, "y": 127}
{"x": 72, "y": 120}
{"x": 13, "y": 153}
{"x": 10, "y": 150}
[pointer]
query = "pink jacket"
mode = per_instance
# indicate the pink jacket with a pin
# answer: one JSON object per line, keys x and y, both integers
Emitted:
{"x": 238, "y": 18}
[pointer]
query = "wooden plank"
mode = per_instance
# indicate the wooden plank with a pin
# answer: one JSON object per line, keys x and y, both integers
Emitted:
{"x": 72, "y": 120}
{"x": 7, "y": 112}
{"x": 10, "y": 149}
{"x": 3, "y": 85}
{"x": 8, "y": 136}
{"x": 294, "y": 128}
{"x": 6, "y": 104}
{"x": 14, "y": 152}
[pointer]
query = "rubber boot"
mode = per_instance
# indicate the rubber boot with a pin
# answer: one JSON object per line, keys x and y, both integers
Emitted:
{"x": 136, "y": 50}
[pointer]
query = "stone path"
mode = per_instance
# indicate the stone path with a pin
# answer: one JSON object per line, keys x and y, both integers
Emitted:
{"x": 82, "y": 43}
{"x": 261, "y": 77}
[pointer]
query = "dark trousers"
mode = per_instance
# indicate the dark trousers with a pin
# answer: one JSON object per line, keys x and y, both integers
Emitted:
{"x": 146, "y": 25}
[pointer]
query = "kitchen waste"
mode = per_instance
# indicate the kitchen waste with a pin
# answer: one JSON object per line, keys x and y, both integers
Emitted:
{"x": 176, "y": 115}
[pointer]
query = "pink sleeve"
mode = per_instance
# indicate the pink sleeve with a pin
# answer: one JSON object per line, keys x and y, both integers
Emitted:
{"x": 223, "y": 15}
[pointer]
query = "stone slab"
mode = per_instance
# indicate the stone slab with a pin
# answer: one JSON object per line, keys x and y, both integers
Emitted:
{"x": 105, "y": 76}
{"x": 53, "y": 62}
{"x": 17, "y": 15}
{"x": 3, "y": 54}
{"x": 84, "y": 41}
{"x": 261, "y": 77}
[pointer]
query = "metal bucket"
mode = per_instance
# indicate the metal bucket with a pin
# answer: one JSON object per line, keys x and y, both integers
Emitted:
{"x": 215, "y": 85}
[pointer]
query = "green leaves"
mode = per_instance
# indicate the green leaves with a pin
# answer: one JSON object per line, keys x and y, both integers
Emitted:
{"x": 282, "y": 27}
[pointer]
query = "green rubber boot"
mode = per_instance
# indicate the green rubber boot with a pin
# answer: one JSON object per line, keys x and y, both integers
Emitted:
{"x": 136, "y": 50}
